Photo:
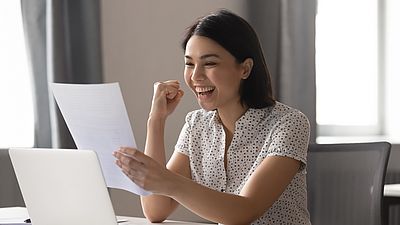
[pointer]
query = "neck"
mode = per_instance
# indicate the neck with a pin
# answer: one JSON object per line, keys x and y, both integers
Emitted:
{"x": 229, "y": 116}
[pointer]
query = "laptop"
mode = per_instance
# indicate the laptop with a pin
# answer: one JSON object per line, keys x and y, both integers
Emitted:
{"x": 62, "y": 186}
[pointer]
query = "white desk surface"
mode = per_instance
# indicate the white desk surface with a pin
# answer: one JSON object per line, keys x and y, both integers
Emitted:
{"x": 391, "y": 190}
{"x": 16, "y": 215}
{"x": 143, "y": 221}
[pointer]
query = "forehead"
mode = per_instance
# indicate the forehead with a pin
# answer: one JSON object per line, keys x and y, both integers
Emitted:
{"x": 198, "y": 46}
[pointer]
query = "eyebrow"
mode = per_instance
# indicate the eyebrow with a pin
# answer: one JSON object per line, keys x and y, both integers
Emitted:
{"x": 204, "y": 56}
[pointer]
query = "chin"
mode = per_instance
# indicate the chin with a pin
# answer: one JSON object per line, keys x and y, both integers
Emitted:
{"x": 208, "y": 110}
{"x": 207, "y": 107}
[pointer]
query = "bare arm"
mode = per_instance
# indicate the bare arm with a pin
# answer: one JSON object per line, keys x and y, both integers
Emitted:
{"x": 262, "y": 189}
{"x": 165, "y": 99}
{"x": 157, "y": 208}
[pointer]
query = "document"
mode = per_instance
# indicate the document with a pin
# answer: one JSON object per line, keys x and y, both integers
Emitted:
{"x": 13, "y": 215}
{"x": 97, "y": 119}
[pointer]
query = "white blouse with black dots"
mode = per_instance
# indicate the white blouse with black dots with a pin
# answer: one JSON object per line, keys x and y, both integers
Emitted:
{"x": 273, "y": 131}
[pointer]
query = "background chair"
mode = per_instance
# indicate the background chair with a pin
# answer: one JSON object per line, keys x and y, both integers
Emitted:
{"x": 10, "y": 194}
{"x": 345, "y": 183}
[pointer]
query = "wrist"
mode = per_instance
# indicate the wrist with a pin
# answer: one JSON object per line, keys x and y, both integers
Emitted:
{"x": 175, "y": 184}
{"x": 155, "y": 128}
{"x": 156, "y": 117}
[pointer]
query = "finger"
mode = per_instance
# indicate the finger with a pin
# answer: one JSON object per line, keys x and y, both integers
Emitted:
{"x": 131, "y": 175}
{"x": 165, "y": 84}
{"x": 130, "y": 162}
{"x": 171, "y": 93}
{"x": 135, "y": 176}
{"x": 135, "y": 154}
{"x": 172, "y": 82}
{"x": 174, "y": 93}
{"x": 119, "y": 155}
{"x": 119, "y": 164}
{"x": 132, "y": 170}
{"x": 180, "y": 93}
{"x": 126, "y": 161}
{"x": 129, "y": 169}
{"x": 177, "y": 97}
{"x": 170, "y": 89}
{"x": 124, "y": 151}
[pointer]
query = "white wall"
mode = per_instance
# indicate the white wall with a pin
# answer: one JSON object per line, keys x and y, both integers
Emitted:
{"x": 141, "y": 45}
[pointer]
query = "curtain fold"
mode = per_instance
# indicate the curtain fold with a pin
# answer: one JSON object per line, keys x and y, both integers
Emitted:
{"x": 63, "y": 41}
{"x": 286, "y": 30}
{"x": 34, "y": 21}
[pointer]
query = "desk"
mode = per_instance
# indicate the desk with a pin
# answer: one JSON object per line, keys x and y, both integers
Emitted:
{"x": 143, "y": 221}
{"x": 19, "y": 214}
{"x": 391, "y": 196}
{"x": 391, "y": 190}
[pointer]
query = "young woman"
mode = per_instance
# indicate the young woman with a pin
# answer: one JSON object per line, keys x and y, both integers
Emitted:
{"x": 241, "y": 158}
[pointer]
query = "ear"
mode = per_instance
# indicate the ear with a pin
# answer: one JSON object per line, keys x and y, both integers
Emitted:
{"x": 247, "y": 65}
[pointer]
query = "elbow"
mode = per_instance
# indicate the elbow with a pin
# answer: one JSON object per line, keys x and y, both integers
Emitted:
{"x": 154, "y": 211}
{"x": 154, "y": 218}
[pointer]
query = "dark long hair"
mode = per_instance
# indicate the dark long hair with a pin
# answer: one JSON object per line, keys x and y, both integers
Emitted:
{"x": 235, "y": 35}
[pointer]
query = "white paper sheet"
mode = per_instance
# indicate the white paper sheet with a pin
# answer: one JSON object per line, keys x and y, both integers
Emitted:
{"x": 13, "y": 215}
{"x": 97, "y": 119}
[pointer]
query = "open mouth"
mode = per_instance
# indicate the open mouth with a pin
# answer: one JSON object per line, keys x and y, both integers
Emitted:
{"x": 204, "y": 90}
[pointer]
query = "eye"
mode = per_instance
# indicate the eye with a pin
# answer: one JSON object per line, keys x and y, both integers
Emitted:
{"x": 189, "y": 64}
{"x": 210, "y": 64}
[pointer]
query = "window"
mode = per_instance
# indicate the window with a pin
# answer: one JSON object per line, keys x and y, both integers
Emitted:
{"x": 392, "y": 69}
{"x": 355, "y": 67}
{"x": 16, "y": 114}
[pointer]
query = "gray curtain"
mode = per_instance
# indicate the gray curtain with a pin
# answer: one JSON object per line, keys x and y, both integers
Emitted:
{"x": 286, "y": 29}
{"x": 63, "y": 41}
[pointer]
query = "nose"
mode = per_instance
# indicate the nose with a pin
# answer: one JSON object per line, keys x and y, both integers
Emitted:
{"x": 198, "y": 74}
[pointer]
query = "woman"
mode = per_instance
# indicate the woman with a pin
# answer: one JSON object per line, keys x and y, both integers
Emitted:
{"x": 238, "y": 160}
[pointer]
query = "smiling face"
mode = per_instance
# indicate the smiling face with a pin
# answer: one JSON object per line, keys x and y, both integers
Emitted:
{"x": 213, "y": 74}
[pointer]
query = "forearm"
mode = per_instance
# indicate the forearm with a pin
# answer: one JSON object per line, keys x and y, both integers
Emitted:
{"x": 261, "y": 191}
{"x": 156, "y": 207}
{"x": 214, "y": 205}
{"x": 155, "y": 147}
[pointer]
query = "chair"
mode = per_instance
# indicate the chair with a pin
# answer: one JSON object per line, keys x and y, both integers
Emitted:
{"x": 345, "y": 183}
{"x": 10, "y": 194}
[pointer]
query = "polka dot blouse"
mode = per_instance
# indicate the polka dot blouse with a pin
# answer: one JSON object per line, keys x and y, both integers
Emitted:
{"x": 273, "y": 131}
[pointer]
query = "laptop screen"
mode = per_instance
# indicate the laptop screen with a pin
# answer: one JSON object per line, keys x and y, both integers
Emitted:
{"x": 62, "y": 186}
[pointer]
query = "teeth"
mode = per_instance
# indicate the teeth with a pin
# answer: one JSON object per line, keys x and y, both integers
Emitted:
{"x": 204, "y": 89}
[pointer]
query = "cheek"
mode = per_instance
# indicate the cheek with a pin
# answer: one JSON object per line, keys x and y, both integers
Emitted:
{"x": 229, "y": 85}
{"x": 187, "y": 76}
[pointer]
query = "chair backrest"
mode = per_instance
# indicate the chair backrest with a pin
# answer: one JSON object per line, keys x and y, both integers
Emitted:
{"x": 10, "y": 194}
{"x": 345, "y": 183}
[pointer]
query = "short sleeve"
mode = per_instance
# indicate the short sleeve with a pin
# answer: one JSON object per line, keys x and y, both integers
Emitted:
{"x": 182, "y": 145}
{"x": 290, "y": 137}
